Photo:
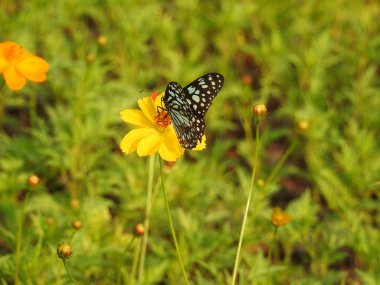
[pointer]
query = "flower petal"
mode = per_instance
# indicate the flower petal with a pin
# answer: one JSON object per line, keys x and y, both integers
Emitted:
{"x": 149, "y": 144}
{"x": 3, "y": 64}
{"x": 200, "y": 145}
{"x": 148, "y": 107}
{"x": 13, "y": 79}
{"x": 136, "y": 117}
{"x": 33, "y": 68}
{"x": 170, "y": 149}
{"x": 130, "y": 141}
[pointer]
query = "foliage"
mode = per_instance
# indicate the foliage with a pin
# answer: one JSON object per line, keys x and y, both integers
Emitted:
{"x": 316, "y": 66}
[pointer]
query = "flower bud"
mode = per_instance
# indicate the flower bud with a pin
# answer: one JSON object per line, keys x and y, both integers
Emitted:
{"x": 90, "y": 58}
{"x": 279, "y": 217}
{"x": 50, "y": 220}
{"x": 33, "y": 180}
{"x": 74, "y": 204}
{"x": 303, "y": 125}
{"x": 64, "y": 250}
{"x": 247, "y": 79}
{"x": 260, "y": 182}
{"x": 102, "y": 40}
{"x": 76, "y": 224}
{"x": 139, "y": 230}
{"x": 259, "y": 112}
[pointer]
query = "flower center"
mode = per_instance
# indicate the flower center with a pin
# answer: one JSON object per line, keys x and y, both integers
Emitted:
{"x": 13, "y": 51}
{"x": 162, "y": 119}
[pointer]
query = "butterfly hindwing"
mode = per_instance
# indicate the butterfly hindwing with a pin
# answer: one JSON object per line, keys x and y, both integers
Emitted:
{"x": 183, "y": 120}
{"x": 188, "y": 106}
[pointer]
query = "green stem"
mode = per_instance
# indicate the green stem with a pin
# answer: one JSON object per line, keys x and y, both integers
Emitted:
{"x": 282, "y": 161}
{"x": 250, "y": 193}
{"x": 33, "y": 110}
{"x": 19, "y": 237}
{"x": 122, "y": 259}
{"x": 68, "y": 272}
{"x": 134, "y": 264}
{"x": 148, "y": 210}
{"x": 271, "y": 250}
{"x": 171, "y": 226}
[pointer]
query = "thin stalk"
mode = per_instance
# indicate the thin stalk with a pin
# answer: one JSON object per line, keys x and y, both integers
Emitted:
{"x": 271, "y": 250}
{"x": 134, "y": 264}
{"x": 68, "y": 272}
{"x": 250, "y": 193}
{"x": 148, "y": 210}
{"x": 33, "y": 109}
{"x": 282, "y": 161}
{"x": 171, "y": 226}
{"x": 122, "y": 259}
{"x": 19, "y": 237}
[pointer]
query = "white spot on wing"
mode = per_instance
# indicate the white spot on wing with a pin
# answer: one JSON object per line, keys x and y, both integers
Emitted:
{"x": 195, "y": 98}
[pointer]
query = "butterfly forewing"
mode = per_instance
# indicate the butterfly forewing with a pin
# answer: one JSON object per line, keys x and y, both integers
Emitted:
{"x": 188, "y": 106}
{"x": 201, "y": 92}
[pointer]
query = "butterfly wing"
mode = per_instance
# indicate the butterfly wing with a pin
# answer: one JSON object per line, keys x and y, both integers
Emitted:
{"x": 188, "y": 106}
{"x": 200, "y": 93}
{"x": 188, "y": 128}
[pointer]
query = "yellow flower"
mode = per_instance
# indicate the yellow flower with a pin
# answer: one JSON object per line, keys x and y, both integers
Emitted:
{"x": 279, "y": 217}
{"x": 153, "y": 131}
{"x": 18, "y": 65}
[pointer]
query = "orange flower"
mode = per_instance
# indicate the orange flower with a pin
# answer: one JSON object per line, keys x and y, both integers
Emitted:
{"x": 280, "y": 218}
{"x": 18, "y": 65}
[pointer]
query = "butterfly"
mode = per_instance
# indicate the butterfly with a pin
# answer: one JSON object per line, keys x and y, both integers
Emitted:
{"x": 187, "y": 106}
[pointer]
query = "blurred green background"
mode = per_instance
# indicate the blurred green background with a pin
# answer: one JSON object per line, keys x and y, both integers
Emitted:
{"x": 315, "y": 64}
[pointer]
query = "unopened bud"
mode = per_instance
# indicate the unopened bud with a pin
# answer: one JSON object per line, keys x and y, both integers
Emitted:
{"x": 33, "y": 180}
{"x": 76, "y": 224}
{"x": 139, "y": 230}
{"x": 74, "y": 204}
{"x": 259, "y": 112}
{"x": 102, "y": 40}
{"x": 64, "y": 250}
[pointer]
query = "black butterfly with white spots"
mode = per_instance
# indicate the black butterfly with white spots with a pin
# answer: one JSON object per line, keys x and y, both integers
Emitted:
{"x": 187, "y": 106}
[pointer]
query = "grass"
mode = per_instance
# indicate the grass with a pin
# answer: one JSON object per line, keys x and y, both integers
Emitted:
{"x": 316, "y": 66}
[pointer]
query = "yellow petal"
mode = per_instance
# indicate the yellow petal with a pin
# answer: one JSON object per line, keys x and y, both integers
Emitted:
{"x": 170, "y": 149}
{"x": 158, "y": 101}
{"x": 136, "y": 117}
{"x": 149, "y": 144}
{"x": 130, "y": 141}
{"x": 33, "y": 68}
{"x": 13, "y": 79}
{"x": 148, "y": 107}
{"x": 200, "y": 145}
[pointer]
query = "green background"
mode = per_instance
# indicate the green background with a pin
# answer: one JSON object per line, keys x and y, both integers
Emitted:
{"x": 313, "y": 63}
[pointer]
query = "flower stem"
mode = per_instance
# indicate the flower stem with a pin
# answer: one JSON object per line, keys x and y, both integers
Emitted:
{"x": 134, "y": 264}
{"x": 19, "y": 237}
{"x": 271, "y": 250}
{"x": 68, "y": 272}
{"x": 250, "y": 193}
{"x": 282, "y": 161}
{"x": 148, "y": 208}
{"x": 122, "y": 259}
{"x": 171, "y": 226}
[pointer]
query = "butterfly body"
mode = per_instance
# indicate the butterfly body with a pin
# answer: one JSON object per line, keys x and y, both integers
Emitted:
{"x": 187, "y": 106}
